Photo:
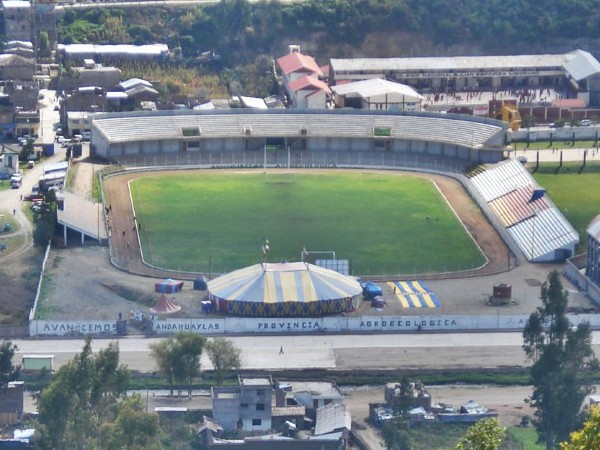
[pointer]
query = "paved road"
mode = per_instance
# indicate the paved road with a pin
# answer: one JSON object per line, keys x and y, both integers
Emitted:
{"x": 10, "y": 200}
{"x": 345, "y": 352}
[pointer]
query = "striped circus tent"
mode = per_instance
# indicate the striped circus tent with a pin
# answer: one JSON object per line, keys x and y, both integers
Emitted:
{"x": 284, "y": 289}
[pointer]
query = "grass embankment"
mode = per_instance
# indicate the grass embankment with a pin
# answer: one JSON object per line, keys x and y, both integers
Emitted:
{"x": 384, "y": 224}
{"x": 556, "y": 144}
{"x": 443, "y": 436}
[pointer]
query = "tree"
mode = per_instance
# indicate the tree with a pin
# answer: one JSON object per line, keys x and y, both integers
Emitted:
{"x": 45, "y": 221}
{"x": 561, "y": 356}
{"x": 127, "y": 416}
{"x": 178, "y": 357}
{"x": 85, "y": 398}
{"x": 588, "y": 437}
{"x": 225, "y": 356}
{"x": 26, "y": 150}
{"x": 528, "y": 122}
{"x": 486, "y": 434}
{"x": 44, "y": 44}
{"x": 8, "y": 372}
{"x": 395, "y": 432}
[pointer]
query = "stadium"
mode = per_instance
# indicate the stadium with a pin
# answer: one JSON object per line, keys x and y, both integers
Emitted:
{"x": 524, "y": 219}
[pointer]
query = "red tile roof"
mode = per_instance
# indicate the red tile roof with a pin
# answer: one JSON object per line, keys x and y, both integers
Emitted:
{"x": 297, "y": 62}
{"x": 308, "y": 83}
{"x": 570, "y": 102}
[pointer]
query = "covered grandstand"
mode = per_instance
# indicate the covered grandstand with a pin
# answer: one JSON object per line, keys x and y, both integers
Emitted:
{"x": 284, "y": 289}
{"x": 521, "y": 207}
{"x": 577, "y": 70}
{"x": 221, "y": 134}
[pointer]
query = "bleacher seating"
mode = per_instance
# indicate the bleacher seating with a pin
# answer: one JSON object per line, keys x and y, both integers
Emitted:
{"x": 138, "y": 126}
{"x": 538, "y": 228}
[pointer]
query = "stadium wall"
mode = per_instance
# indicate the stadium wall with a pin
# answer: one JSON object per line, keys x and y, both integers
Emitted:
{"x": 255, "y": 326}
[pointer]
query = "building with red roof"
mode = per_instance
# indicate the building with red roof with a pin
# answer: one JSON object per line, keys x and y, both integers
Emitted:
{"x": 302, "y": 80}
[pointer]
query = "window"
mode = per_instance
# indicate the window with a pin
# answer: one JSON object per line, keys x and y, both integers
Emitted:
{"x": 260, "y": 406}
{"x": 260, "y": 392}
{"x": 256, "y": 422}
{"x": 244, "y": 405}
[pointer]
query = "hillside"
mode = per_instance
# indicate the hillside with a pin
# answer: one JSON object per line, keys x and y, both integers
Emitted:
{"x": 239, "y": 31}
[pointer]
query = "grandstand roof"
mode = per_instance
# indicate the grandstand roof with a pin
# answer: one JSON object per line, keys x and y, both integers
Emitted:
{"x": 581, "y": 64}
{"x": 475, "y": 63}
{"x": 140, "y": 126}
{"x": 283, "y": 282}
{"x": 535, "y": 224}
{"x": 375, "y": 86}
{"x": 593, "y": 228}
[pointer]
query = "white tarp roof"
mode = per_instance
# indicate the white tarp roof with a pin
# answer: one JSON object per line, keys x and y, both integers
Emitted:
{"x": 375, "y": 86}
{"x": 581, "y": 64}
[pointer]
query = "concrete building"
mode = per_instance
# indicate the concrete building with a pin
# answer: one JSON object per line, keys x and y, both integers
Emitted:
{"x": 17, "y": 20}
{"x": 11, "y": 403}
{"x": 310, "y": 394}
{"x": 577, "y": 72}
{"x": 116, "y": 52}
{"x": 16, "y": 68}
{"x": 90, "y": 74}
{"x": 593, "y": 251}
{"x": 377, "y": 94}
{"x": 246, "y": 407}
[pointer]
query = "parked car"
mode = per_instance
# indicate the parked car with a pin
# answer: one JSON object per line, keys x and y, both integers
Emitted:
{"x": 585, "y": 123}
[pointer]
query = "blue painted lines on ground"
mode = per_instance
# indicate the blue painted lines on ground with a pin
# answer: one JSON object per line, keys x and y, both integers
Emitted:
{"x": 414, "y": 294}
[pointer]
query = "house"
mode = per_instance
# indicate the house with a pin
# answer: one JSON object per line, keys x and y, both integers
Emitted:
{"x": 247, "y": 406}
{"x": 23, "y": 94}
{"x": 310, "y": 394}
{"x": 17, "y": 20}
{"x": 11, "y": 403}
{"x": 20, "y": 48}
{"x": 90, "y": 74}
{"x": 309, "y": 92}
{"x": 377, "y": 94}
{"x": 302, "y": 80}
{"x": 15, "y": 67}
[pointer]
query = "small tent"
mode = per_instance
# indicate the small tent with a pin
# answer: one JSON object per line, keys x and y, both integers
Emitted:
{"x": 164, "y": 306}
{"x": 200, "y": 284}
{"x": 168, "y": 286}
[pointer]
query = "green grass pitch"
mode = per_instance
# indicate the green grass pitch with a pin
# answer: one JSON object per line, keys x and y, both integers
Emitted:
{"x": 577, "y": 196}
{"x": 383, "y": 223}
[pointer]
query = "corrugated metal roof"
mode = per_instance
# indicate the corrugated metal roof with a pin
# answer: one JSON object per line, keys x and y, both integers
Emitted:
{"x": 332, "y": 417}
{"x": 581, "y": 64}
{"x": 447, "y": 63}
{"x": 593, "y": 228}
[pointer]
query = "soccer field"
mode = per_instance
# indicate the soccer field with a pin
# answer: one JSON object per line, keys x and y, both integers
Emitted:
{"x": 383, "y": 223}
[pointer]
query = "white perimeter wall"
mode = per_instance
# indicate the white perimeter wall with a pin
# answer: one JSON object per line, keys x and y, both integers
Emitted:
{"x": 241, "y": 325}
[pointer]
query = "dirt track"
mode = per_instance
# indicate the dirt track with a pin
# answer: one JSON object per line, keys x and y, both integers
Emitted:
{"x": 125, "y": 245}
